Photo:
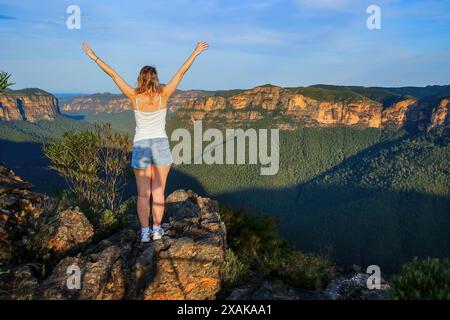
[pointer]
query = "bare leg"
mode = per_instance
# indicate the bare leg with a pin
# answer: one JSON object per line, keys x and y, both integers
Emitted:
{"x": 143, "y": 183}
{"x": 158, "y": 185}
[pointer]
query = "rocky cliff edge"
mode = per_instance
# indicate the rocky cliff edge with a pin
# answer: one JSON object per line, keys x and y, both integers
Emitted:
{"x": 185, "y": 264}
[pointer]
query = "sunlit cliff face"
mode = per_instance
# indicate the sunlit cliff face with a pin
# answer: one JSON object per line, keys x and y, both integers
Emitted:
{"x": 33, "y": 106}
{"x": 250, "y": 106}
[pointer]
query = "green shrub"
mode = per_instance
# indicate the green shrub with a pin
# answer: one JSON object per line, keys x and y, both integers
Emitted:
{"x": 421, "y": 280}
{"x": 256, "y": 244}
{"x": 108, "y": 220}
{"x": 75, "y": 157}
{"x": 93, "y": 164}
{"x": 249, "y": 234}
{"x": 306, "y": 271}
{"x": 124, "y": 215}
{"x": 234, "y": 271}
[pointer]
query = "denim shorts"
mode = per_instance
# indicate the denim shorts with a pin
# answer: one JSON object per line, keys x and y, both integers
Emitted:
{"x": 151, "y": 151}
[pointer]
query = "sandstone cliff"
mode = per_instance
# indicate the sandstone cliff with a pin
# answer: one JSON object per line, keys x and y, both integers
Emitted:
{"x": 28, "y": 104}
{"x": 357, "y": 111}
{"x": 286, "y": 108}
{"x": 107, "y": 102}
{"x": 441, "y": 114}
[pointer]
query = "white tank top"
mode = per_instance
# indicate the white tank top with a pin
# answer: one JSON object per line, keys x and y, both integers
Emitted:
{"x": 150, "y": 124}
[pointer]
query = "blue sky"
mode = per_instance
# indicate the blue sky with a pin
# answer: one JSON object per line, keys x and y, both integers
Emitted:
{"x": 284, "y": 42}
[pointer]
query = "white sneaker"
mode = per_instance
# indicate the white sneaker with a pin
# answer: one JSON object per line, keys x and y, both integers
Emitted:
{"x": 145, "y": 237}
{"x": 158, "y": 233}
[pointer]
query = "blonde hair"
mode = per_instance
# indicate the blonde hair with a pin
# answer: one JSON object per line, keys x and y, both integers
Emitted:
{"x": 148, "y": 81}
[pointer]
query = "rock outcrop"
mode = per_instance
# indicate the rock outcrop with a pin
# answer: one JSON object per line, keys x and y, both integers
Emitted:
{"x": 101, "y": 277}
{"x": 185, "y": 264}
{"x": 352, "y": 286}
{"x": 66, "y": 231}
{"x": 28, "y": 104}
{"x": 188, "y": 263}
{"x": 20, "y": 213}
{"x": 355, "y": 288}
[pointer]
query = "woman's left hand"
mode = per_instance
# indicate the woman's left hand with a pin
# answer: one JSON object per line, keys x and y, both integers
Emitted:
{"x": 89, "y": 51}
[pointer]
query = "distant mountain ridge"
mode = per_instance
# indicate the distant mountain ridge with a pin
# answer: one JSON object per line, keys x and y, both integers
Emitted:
{"x": 317, "y": 105}
{"x": 112, "y": 103}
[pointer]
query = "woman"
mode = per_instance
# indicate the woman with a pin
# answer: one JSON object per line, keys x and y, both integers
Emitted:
{"x": 151, "y": 157}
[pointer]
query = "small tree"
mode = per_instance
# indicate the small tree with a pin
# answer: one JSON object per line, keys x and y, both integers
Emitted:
{"x": 4, "y": 81}
{"x": 93, "y": 163}
{"x": 114, "y": 156}
{"x": 75, "y": 157}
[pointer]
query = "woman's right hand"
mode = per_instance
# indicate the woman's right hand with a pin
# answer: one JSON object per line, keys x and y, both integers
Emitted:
{"x": 201, "y": 46}
{"x": 89, "y": 51}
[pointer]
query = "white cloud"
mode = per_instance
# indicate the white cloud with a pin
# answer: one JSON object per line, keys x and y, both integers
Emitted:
{"x": 325, "y": 4}
{"x": 348, "y": 6}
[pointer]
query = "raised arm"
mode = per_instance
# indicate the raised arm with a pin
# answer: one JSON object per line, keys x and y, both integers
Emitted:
{"x": 175, "y": 81}
{"x": 122, "y": 84}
